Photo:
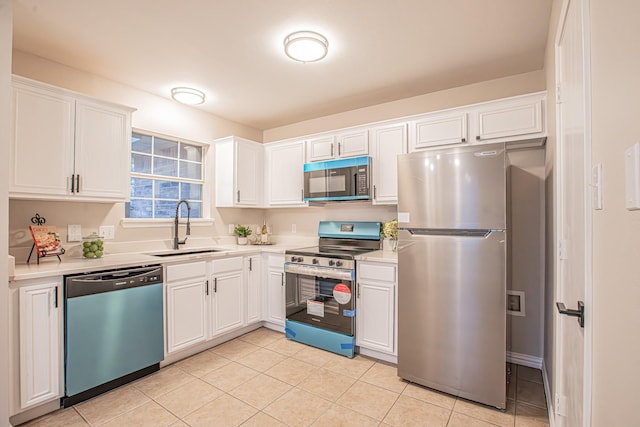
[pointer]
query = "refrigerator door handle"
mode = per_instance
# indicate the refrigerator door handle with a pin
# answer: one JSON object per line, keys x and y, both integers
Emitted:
{"x": 447, "y": 232}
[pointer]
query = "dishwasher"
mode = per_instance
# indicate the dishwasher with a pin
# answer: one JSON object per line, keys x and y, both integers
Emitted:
{"x": 113, "y": 330}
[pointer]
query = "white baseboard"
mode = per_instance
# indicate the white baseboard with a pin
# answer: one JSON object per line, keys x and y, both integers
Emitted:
{"x": 547, "y": 393}
{"x": 524, "y": 360}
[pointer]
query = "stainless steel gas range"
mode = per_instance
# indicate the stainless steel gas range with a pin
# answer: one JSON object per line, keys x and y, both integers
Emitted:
{"x": 320, "y": 284}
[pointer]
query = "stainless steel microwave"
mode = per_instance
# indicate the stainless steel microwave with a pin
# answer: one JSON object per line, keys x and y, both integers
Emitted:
{"x": 333, "y": 180}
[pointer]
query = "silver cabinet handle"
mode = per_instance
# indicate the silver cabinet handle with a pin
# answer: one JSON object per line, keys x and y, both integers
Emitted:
{"x": 73, "y": 183}
{"x": 77, "y": 183}
{"x": 215, "y": 285}
{"x": 250, "y": 264}
{"x": 282, "y": 280}
{"x": 206, "y": 287}
{"x": 579, "y": 313}
{"x": 331, "y": 150}
{"x": 302, "y": 195}
{"x": 238, "y": 196}
{"x": 358, "y": 291}
{"x": 338, "y": 149}
{"x": 375, "y": 196}
{"x": 55, "y": 297}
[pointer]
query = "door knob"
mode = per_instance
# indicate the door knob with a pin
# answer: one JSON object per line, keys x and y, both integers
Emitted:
{"x": 579, "y": 313}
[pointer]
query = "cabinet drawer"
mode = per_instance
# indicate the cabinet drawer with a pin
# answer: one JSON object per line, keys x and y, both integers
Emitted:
{"x": 384, "y": 273}
{"x": 227, "y": 264}
{"x": 186, "y": 271}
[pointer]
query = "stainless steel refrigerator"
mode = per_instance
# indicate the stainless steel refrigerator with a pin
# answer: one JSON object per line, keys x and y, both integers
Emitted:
{"x": 452, "y": 271}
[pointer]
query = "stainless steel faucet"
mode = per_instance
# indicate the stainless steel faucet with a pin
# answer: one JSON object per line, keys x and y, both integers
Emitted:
{"x": 176, "y": 241}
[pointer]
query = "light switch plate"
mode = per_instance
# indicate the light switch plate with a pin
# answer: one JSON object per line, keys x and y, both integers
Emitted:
{"x": 231, "y": 228}
{"x": 74, "y": 233}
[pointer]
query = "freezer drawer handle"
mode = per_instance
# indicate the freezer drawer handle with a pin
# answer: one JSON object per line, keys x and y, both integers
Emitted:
{"x": 579, "y": 313}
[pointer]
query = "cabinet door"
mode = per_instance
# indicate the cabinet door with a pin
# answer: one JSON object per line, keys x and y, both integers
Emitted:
{"x": 275, "y": 311}
{"x": 227, "y": 299}
{"x": 186, "y": 313}
{"x": 388, "y": 142}
{"x": 321, "y": 149}
{"x": 376, "y": 315}
{"x": 353, "y": 144}
{"x": 439, "y": 129}
{"x": 41, "y": 148}
{"x": 254, "y": 294}
{"x": 510, "y": 119}
{"x": 285, "y": 181}
{"x": 40, "y": 340}
{"x": 103, "y": 139}
{"x": 249, "y": 179}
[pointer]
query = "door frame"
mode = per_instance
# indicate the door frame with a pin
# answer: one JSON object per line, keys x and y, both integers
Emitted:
{"x": 588, "y": 215}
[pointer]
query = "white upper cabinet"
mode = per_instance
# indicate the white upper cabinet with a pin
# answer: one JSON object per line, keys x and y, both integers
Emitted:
{"x": 438, "y": 129}
{"x": 508, "y": 119}
{"x": 239, "y": 172}
{"x": 66, "y": 146}
{"x": 336, "y": 146}
{"x": 388, "y": 142}
{"x": 284, "y": 173}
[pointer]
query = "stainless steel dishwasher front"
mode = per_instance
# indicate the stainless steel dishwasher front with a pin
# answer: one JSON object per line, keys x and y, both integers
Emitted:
{"x": 113, "y": 329}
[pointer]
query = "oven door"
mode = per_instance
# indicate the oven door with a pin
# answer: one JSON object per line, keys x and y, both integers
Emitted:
{"x": 321, "y": 297}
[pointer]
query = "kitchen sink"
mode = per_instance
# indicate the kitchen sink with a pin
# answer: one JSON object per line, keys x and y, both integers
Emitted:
{"x": 186, "y": 252}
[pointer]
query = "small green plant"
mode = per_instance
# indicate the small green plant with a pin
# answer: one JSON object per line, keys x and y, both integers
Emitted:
{"x": 242, "y": 231}
{"x": 390, "y": 229}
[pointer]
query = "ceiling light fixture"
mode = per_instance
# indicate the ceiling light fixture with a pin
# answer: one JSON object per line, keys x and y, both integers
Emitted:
{"x": 306, "y": 46}
{"x": 187, "y": 95}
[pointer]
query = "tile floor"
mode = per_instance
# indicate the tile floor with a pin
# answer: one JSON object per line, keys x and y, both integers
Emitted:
{"x": 262, "y": 379}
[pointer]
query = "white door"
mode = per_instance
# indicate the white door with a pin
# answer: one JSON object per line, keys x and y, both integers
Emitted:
{"x": 249, "y": 166}
{"x": 254, "y": 294}
{"x": 388, "y": 143}
{"x": 321, "y": 148}
{"x": 227, "y": 313}
{"x": 573, "y": 157}
{"x": 275, "y": 296}
{"x": 285, "y": 179}
{"x": 186, "y": 314}
{"x": 353, "y": 144}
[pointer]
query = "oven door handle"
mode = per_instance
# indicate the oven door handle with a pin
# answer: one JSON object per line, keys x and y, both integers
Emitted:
{"x": 325, "y": 272}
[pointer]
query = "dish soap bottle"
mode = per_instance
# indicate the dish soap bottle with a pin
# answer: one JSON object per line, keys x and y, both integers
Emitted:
{"x": 264, "y": 237}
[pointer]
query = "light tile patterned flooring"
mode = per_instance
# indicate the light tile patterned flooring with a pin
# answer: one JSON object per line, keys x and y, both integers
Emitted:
{"x": 263, "y": 379}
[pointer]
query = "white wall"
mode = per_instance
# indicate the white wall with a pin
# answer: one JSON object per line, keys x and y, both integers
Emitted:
{"x": 6, "y": 34}
{"x": 615, "y": 65}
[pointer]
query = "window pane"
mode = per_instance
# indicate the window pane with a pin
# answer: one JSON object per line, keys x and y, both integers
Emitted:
{"x": 165, "y": 209}
{"x": 196, "y": 210}
{"x": 190, "y": 170}
{"x": 164, "y": 147}
{"x": 141, "y": 187}
{"x": 141, "y": 143}
{"x": 138, "y": 208}
{"x": 190, "y": 152}
{"x": 167, "y": 190}
{"x": 166, "y": 167}
{"x": 140, "y": 163}
{"x": 191, "y": 191}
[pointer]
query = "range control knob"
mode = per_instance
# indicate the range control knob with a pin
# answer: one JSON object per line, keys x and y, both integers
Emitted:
{"x": 315, "y": 261}
{"x": 332, "y": 262}
{"x": 339, "y": 263}
{"x": 300, "y": 259}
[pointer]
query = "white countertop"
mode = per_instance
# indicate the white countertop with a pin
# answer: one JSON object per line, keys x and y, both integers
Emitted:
{"x": 379, "y": 256}
{"x": 50, "y": 266}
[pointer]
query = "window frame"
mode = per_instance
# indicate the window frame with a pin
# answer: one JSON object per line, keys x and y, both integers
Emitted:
{"x": 207, "y": 175}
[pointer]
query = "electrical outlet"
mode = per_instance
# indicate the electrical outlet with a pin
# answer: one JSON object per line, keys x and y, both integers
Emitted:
{"x": 231, "y": 228}
{"x": 293, "y": 228}
{"x": 107, "y": 232}
{"x": 74, "y": 233}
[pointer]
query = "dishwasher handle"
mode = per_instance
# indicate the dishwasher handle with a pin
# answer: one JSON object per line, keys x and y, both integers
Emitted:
{"x": 83, "y": 285}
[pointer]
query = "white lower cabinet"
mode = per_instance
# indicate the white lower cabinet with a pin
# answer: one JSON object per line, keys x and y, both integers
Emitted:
{"x": 376, "y": 319}
{"x": 40, "y": 342}
{"x": 186, "y": 305}
{"x": 275, "y": 288}
{"x": 253, "y": 267}
{"x": 227, "y": 295}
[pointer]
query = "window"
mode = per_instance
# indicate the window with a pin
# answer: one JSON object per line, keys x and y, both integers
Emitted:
{"x": 164, "y": 171}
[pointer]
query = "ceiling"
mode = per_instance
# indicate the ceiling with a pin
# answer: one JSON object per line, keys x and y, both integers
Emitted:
{"x": 379, "y": 50}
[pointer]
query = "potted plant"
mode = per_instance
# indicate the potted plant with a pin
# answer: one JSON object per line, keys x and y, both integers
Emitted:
{"x": 390, "y": 235}
{"x": 242, "y": 232}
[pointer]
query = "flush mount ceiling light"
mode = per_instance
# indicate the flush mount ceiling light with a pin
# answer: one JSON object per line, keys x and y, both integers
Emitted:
{"x": 306, "y": 46}
{"x": 187, "y": 95}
